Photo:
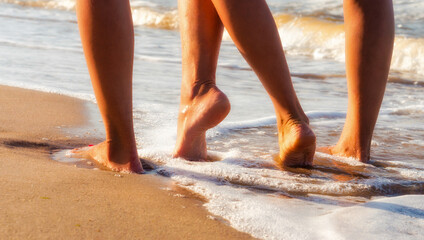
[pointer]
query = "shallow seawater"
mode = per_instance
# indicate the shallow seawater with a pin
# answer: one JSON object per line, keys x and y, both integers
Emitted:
{"x": 338, "y": 198}
{"x": 64, "y": 156}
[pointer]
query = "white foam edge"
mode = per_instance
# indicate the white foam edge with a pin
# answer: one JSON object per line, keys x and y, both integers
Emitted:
{"x": 346, "y": 160}
{"x": 413, "y": 174}
{"x": 266, "y": 217}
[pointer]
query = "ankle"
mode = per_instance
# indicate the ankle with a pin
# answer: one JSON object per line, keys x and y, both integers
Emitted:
{"x": 286, "y": 120}
{"x": 197, "y": 88}
{"x": 121, "y": 152}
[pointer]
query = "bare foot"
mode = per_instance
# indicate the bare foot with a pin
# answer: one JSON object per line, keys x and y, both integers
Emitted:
{"x": 203, "y": 112}
{"x": 297, "y": 145}
{"x": 115, "y": 160}
{"x": 349, "y": 149}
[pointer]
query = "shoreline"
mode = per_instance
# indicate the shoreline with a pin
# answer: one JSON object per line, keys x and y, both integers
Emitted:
{"x": 43, "y": 198}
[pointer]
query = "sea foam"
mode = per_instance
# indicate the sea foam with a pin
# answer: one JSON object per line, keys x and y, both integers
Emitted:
{"x": 260, "y": 201}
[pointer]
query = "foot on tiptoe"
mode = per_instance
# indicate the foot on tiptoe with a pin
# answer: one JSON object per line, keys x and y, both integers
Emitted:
{"x": 297, "y": 144}
{"x": 204, "y": 111}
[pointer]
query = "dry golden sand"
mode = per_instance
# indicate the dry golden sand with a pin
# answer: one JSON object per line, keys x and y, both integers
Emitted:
{"x": 43, "y": 199}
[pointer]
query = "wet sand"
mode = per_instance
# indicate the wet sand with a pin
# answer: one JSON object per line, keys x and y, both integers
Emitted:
{"x": 45, "y": 199}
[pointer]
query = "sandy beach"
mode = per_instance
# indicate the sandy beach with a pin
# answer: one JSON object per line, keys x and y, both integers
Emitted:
{"x": 45, "y": 199}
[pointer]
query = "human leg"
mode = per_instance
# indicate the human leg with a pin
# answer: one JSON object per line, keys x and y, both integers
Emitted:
{"x": 369, "y": 45}
{"x": 107, "y": 36}
{"x": 252, "y": 28}
{"x": 202, "y": 104}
